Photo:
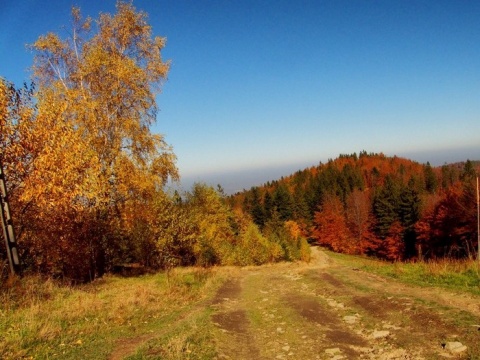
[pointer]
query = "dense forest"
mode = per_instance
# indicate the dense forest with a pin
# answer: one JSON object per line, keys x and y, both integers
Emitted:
{"x": 87, "y": 180}
{"x": 371, "y": 204}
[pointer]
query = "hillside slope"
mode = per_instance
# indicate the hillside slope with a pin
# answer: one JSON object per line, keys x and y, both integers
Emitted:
{"x": 387, "y": 207}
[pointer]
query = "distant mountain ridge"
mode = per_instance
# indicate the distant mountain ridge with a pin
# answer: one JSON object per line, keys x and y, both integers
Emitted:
{"x": 459, "y": 165}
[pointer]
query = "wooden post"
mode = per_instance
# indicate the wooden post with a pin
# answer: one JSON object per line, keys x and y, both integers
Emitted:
{"x": 478, "y": 223}
{"x": 7, "y": 225}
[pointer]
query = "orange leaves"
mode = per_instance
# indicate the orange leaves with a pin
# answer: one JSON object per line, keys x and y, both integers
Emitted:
{"x": 293, "y": 229}
{"x": 62, "y": 165}
{"x": 448, "y": 225}
{"x": 330, "y": 228}
{"x": 346, "y": 230}
{"x": 392, "y": 247}
{"x": 16, "y": 137}
{"x": 3, "y": 103}
{"x": 51, "y": 43}
{"x": 358, "y": 218}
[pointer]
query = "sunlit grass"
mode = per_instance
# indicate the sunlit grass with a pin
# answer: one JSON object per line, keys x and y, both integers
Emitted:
{"x": 41, "y": 319}
{"x": 459, "y": 275}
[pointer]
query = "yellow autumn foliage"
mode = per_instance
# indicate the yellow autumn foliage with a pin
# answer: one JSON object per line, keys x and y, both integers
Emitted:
{"x": 87, "y": 177}
{"x": 78, "y": 149}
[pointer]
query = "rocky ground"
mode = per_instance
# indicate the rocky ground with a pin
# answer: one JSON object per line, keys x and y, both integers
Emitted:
{"x": 325, "y": 310}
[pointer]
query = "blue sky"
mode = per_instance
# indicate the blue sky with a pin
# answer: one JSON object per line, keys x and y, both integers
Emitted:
{"x": 260, "y": 89}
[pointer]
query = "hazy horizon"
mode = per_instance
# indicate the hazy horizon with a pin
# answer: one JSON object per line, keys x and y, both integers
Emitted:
{"x": 233, "y": 181}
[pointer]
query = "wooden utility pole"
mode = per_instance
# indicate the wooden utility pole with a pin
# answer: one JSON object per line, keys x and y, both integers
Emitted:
{"x": 7, "y": 225}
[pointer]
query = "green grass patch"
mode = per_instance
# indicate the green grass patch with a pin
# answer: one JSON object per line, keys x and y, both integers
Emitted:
{"x": 456, "y": 275}
{"x": 190, "y": 339}
{"x": 41, "y": 319}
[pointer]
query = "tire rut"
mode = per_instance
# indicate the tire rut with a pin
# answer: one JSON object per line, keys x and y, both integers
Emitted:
{"x": 236, "y": 341}
{"x": 333, "y": 331}
{"x": 401, "y": 320}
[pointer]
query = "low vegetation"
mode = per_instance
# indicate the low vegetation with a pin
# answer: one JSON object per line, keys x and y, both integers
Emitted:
{"x": 42, "y": 319}
{"x": 462, "y": 276}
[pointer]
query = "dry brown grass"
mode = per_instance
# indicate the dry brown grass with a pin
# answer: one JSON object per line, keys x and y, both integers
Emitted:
{"x": 446, "y": 266}
{"x": 44, "y": 319}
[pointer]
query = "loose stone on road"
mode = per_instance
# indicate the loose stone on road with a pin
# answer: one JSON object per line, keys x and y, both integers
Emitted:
{"x": 324, "y": 310}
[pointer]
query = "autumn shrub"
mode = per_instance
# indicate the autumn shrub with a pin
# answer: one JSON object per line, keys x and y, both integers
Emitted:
{"x": 201, "y": 229}
{"x": 305, "y": 250}
{"x": 299, "y": 247}
{"x": 70, "y": 247}
{"x": 140, "y": 247}
{"x": 288, "y": 238}
{"x": 209, "y": 252}
{"x": 252, "y": 248}
{"x": 210, "y": 216}
{"x": 175, "y": 235}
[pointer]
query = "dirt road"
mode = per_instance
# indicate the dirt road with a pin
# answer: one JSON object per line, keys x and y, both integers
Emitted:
{"x": 325, "y": 310}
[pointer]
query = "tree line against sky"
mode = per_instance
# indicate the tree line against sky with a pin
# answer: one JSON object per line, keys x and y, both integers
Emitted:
{"x": 371, "y": 204}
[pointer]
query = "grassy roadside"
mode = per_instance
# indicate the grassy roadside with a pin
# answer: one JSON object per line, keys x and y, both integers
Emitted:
{"x": 44, "y": 320}
{"x": 457, "y": 275}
